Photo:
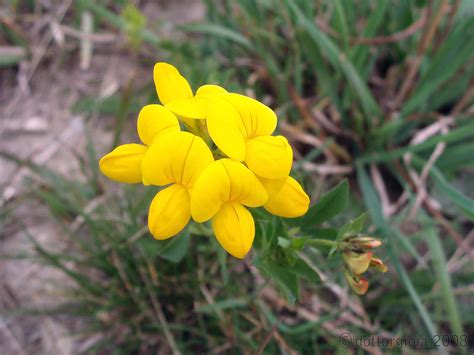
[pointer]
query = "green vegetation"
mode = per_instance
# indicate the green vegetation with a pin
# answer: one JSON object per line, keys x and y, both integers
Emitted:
{"x": 378, "y": 92}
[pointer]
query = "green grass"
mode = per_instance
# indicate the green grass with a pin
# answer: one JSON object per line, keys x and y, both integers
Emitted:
{"x": 187, "y": 293}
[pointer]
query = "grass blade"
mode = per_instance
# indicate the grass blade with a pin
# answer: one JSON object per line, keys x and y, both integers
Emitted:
{"x": 444, "y": 279}
{"x": 338, "y": 60}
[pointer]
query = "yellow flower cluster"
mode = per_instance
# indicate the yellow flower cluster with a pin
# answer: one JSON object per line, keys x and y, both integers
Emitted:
{"x": 252, "y": 168}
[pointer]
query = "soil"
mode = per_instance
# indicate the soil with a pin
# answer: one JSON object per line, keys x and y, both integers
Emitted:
{"x": 37, "y": 123}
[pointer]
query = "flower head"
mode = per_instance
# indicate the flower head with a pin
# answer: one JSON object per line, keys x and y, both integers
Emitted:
{"x": 254, "y": 171}
{"x": 358, "y": 256}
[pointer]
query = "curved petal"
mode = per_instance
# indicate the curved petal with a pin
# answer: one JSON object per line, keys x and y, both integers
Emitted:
{"x": 154, "y": 120}
{"x": 244, "y": 186}
{"x": 290, "y": 202}
{"x": 226, "y": 128}
{"x": 234, "y": 228}
{"x": 123, "y": 164}
{"x": 273, "y": 186}
{"x": 175, "y": 158}
{"x": 258, "y": 119}
{"x": 196, "y": 107}
{"x": 223, "y": 181}
{"x": 269, "y": 156}
{"x": 169, "y": 212}
{"x": 208, "y": 91}
{"x": 170, "y": 84}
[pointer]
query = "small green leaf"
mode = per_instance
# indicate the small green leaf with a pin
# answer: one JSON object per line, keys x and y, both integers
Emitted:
{"x": 173, "y": 249}
{"x": 303, "y": 270}
{"x": 354, "y": 226}
{"x": 285, "y": 279}
{"x": 330, "y": 205}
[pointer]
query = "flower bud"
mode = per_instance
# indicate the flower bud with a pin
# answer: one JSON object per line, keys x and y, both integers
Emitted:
{"x": 357, "y": 263}
{"x": 378, "y": 264}
{"x": 364, "y": 242}
{"x": 358, "y": 284}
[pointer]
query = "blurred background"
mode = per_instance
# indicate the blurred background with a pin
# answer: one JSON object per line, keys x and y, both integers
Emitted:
{"x": 378, "y": 92}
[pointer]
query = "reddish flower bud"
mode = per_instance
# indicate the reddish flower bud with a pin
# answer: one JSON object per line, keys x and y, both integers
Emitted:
{"x": 378, "y": 264}
{"x": 358, "y": 284}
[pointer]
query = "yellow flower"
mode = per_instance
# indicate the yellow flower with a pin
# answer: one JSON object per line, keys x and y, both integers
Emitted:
{"x": 177, "y": 159}
{"x": 124, "y": 163}
{"x": 175, "y": 92}
{"x": 257, "y": 173}
{"x": 241, "y": 128}
{"x": 221, "y": 192}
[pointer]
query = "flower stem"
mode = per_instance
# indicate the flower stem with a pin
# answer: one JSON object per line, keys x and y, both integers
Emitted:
{"x": 318, "y": 242}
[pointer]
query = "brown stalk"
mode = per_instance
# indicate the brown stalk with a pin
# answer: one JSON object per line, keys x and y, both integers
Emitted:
{"x": 304, "y": 111}
{"x": 422, "y": 47}
{"x": 311, "y": 122}
{"x": 395, "y": 37}
{"x": 452, "y": 13}
{"x": 431, "y": 209}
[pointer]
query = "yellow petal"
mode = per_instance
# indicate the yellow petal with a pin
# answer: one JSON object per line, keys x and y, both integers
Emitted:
{"x": 123, "y": 164}
{"x": 226, "y": 128}
{"x": 223, "y": 181}
{"x": 258, "y": 119}
{"x": 290, "y": 202}
{"x": 273, "y": 186}
{"x": 154, "y": 120}
{"x": 169, "y": 212}
{"x": 170, "y": 84}
{"x": 234, "y": 118}
{"x": 196, "y": 107}
{"x": 234, "y": 228}
{"x": 208, "y": 91}
{"x": 175, "y": 158}
{"x": 269, "y": 156}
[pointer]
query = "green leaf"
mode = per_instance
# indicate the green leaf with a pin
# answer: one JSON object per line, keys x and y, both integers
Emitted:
{"x": 303, "y": 270}
{"x": 444, "y": 279}
{"x": 330, "y": 205}
{"x": 173, "y": 249}
{"x": 285, "y": 279}
{"x": 353, "y": 227}
{"x": 219, "y": 31}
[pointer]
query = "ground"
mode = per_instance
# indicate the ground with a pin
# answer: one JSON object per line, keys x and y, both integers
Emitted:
{"x": 37, "y": 123}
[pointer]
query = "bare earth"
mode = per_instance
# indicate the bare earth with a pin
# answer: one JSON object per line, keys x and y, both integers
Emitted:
{"x": 36, "y": 123}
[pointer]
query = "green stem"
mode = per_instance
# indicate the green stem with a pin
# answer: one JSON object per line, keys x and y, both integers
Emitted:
{"x": 317, "y": 242}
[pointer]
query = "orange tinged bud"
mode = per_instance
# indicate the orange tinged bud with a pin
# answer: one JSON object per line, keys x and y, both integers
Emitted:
{"x": 357, "y": 263}
{"x": 378, "y": 264}
{"x": 358, "y": 284}
{"x": 366, "y": 242}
